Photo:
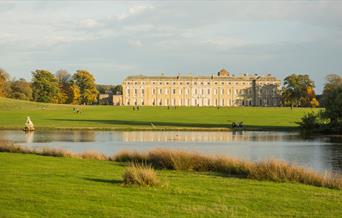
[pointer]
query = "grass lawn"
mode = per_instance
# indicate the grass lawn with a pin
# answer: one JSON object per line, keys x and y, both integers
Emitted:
{"x": 38, "y": 186}
{"x": 13, "y": 115}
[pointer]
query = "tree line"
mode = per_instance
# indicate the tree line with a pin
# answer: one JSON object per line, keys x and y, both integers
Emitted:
{"x": 80, "y": 88}
{"x": 59, "y": 88}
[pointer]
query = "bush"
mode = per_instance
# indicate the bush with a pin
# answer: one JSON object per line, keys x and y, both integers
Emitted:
{"x": 139, "y": 174}
{"x": 310, "y": 121}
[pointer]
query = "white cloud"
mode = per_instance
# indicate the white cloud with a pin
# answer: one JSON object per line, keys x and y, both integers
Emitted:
{"x": 226, "y": 42}
{"x": 89, "y": 23}
{"x": 135, "y": 43}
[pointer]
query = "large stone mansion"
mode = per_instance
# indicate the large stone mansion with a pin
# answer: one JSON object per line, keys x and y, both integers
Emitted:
{"x": 223, "y": 89}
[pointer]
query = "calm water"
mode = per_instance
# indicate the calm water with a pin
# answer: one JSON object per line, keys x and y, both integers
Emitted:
{"x": 321, "y": 153}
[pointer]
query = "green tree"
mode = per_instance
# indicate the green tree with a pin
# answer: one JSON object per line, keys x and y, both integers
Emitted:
{"x": 86, "y": 83}
{"x": 104, "y": 89}
{"x": 298, "y": 91}
{"x": 20, "y": 89}
{"x": 332, "y": 99}
{"x": 3, "y": 82}
{"x": 117, "y": 90}
{"x": 45, "y": 87}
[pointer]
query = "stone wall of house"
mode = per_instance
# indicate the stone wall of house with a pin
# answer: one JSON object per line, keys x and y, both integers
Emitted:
{"x": 222, "y": 90}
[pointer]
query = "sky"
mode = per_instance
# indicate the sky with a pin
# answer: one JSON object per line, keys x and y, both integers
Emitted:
{"x": 114, "y": 39}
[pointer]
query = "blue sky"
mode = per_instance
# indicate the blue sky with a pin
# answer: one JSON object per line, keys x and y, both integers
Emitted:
{"x": 116, "y": 39}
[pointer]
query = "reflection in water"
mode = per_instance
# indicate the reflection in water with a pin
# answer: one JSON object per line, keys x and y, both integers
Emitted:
{"x": 153, "y": 136}
{"x": 321, "y": 153}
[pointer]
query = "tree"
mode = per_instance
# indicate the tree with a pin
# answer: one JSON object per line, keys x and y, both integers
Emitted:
{"x": 117, "y": 90}
{"x": 74, "y": 93}
{"x": 332, "y": 99}
{"x": 298, "y": 91}
{"x": 3, "y": 80}
{"x": 20, "y": 89}
{"x": 63, "y": 78}
{"x": 104, "y": 89}
{"x": 45, "y": 87}
{"x": 86, "y": 83}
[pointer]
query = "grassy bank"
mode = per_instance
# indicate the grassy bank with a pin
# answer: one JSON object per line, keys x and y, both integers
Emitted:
{"x": 13, "y": 115}
{"x": 39, "y": 186}
{"x": 270, "y": 170}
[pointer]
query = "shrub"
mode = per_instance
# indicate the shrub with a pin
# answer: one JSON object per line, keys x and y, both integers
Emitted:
{"x": 309, "y": 121}
{"x": 139, "y": 174}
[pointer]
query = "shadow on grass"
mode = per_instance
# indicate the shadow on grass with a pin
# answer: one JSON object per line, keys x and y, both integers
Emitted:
{"x": 110, "y": 181}
{"x": 157, "y": 124}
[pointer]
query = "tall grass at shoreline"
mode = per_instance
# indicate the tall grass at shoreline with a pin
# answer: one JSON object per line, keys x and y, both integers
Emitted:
{"x": 270, "y": 170}
{"x": 140, "y": 174}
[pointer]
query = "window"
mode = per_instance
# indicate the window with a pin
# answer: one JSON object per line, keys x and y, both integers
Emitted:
{"x": 208, "y": 91}
{"x": 222, "y": 91}
{"x": 215, "y": 91}
{"x": 166, "y": 91}
{"x": 136, "y": 91}
{"x": 186, "y": 91}
{"x": 154, "y": 91}
{"x": 160, "y": 91}
{"x": 143, "y": 91}
{"x": 174, "y": 91}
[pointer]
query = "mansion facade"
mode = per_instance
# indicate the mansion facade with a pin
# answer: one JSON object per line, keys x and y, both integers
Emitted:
{"x": 221, "y": 90}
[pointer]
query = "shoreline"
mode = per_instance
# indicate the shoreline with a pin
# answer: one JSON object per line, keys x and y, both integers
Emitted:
{"x": 166, "y": 129}
{"x": 179, "y": 160}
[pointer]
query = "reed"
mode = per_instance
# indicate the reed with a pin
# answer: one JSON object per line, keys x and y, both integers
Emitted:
{"x": 140, "y": 174}
{"x": 271, "y": 170}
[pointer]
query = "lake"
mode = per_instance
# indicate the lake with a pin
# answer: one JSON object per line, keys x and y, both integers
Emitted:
{"x": 317, "y": 152}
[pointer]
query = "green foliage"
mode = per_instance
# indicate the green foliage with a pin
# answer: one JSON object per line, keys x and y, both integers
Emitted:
{"x": 332, "y": 99}
{"x": 45, "y": 87}
{"x": 310, "y": 121}
{"x": 86, "y": 83}
{"x": 104, "y": 89}
{"x": 298, "y": 91}
{"x": 20, "y": 89}
{"x": 117, "y": 90}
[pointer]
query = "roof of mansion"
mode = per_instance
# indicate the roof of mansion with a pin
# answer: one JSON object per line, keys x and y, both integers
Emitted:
{"x": 221, "y": 75}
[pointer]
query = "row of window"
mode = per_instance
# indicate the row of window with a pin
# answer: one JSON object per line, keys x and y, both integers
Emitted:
{"x": 203, "y": 91}
{"x": 200, "y": 83}
{"x": 205, "y": 102}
